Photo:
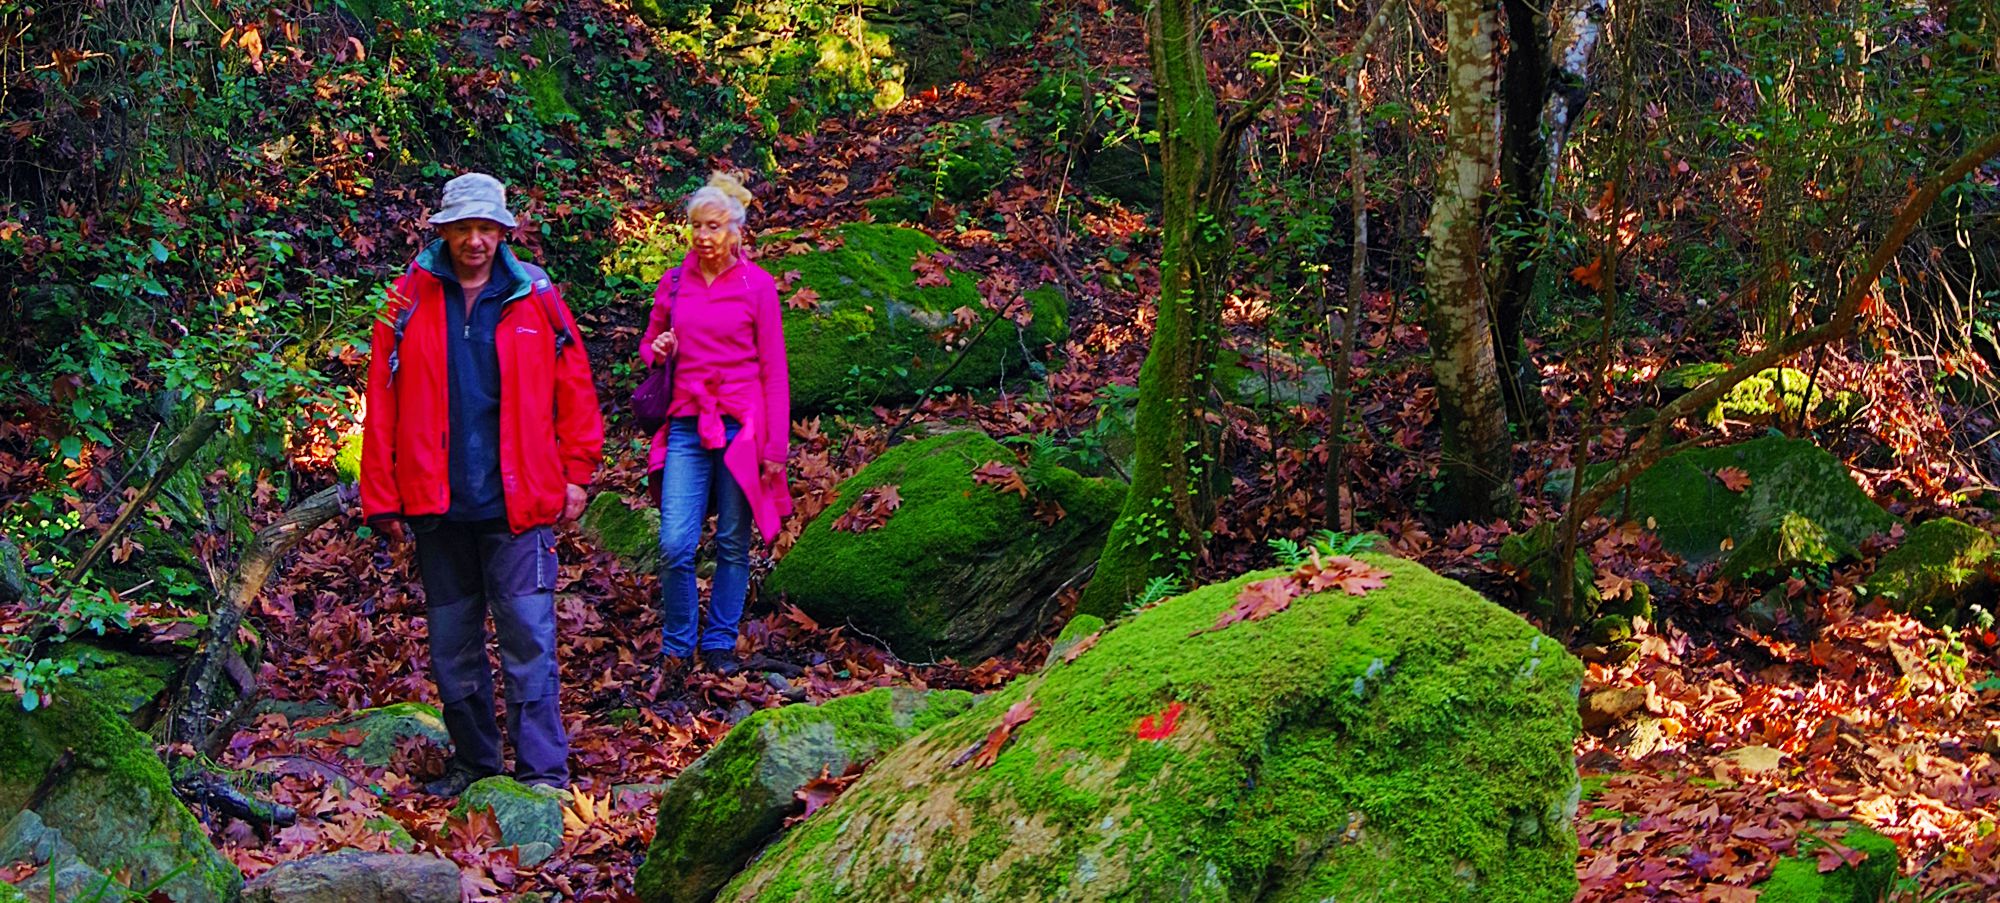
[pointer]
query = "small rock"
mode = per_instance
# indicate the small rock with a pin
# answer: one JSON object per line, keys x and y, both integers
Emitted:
{"x": 352, "y": 876}
{"x": 13, "y": 572}
{"x": 1755, "y": 758}
{"x": 739, "y": 710}
{"x": 525, "y": 815}
{"x": 1610, "y": 706}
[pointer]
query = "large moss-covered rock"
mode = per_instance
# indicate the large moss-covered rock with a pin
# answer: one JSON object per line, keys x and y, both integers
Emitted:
{"x": 726, "y": 805}
{"x": 1797, "y": 879}
{"x": 962, "y": 568}
{"x": 1701, "y": 519}
{"x": 1937, "y": 563}
{"x": 873, "y": 335}
{"x": 379, "y": 729}
{"x": 1344, "y": 748}
{"x": 1771, "y": 396}
{"x": 530, "y": 820}
{"x": 13, "y": 572}
{"x": 632, "y": 534}
{"x": 112, "y": 802}
{"x": 131, "y": 683}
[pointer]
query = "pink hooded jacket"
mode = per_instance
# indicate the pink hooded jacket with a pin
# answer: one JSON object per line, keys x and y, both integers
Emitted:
{"x": 731, "y": 360}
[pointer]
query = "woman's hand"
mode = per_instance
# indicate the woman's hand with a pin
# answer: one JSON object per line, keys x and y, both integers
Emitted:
{"x": 665, "y": 344}
{"x": 772, "y": 470}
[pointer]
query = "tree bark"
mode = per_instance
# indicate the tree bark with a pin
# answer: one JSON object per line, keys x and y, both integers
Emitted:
{"x": 1357, "y": 271}
{"x": 182, "y": 450}
{"x": 1159, "y": 532}
{"x": 1519, "y": 219}
{"x": 1478, "y": 467}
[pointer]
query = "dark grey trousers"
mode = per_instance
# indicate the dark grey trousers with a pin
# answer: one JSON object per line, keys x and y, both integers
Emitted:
{"x": 469, "y": 572}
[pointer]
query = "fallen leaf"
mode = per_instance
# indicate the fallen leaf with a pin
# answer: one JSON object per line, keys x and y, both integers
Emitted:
{"x": 1591, "y": 274}
{"x": 986, "y": 751}
{"x": 803, "y": 299}
{"x": 1001, "y": 477}
{"x": 823, "y": 789}
{"x": 870, "y": 511}
{"x": 1733, "y": 477}
{"x": 1259, "y": 600}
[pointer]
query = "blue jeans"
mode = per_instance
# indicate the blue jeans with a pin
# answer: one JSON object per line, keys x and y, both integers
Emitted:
{"x": 695, "y": 478}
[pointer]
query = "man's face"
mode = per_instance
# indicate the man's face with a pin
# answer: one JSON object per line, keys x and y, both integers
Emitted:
{"x": 472, "y": 242}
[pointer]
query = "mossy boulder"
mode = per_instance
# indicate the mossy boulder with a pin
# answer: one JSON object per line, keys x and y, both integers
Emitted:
{"x": 1797, "y": 879}
{"x": 1938, "y": 562}
{"x": 962, "y": 568}
{"x": 875, "y": 336}
{"x": 113, "y": 801}
{"x": 632, "y": 534}
{"x": 530, "y": 820}
{"x": 380, "y": 728}
{"x": 130, "y": 683}
{"x": 726, "y": 805}
{"x": 347, "y": 461}
{"x": 1698, "y": 517}
{"x": 59, "y": 874}
{"x": 1074, "y": 634}
{"x": 1344, "y": 748}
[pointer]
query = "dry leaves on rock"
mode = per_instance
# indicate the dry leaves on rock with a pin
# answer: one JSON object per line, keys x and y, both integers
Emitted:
{"x": 1002, "y": 477}
{"x": 1264, "y": 598}
{"x": 983, "y": 754}
{"x": 823, "y": 789}
{"x": 870, "y": 511}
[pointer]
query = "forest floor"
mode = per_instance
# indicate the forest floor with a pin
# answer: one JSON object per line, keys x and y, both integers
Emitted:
{"x": 1735, "y": 741}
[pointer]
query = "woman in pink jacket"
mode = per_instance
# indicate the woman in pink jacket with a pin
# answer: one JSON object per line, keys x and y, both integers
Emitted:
{"x": 716, "y": 317}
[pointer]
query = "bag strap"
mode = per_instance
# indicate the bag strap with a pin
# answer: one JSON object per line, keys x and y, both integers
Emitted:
{"x": 402, "y": 321}
{"x": 559, "y": 327}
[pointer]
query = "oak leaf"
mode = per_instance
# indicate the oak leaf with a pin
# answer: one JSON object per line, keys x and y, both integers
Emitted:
{"x": 870, "y": 511}
{"x": 1733, "y": 477}
{"x": 822, "y": 790}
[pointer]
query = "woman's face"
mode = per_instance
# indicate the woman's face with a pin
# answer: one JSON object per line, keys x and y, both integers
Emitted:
{"x": 714, "y": 241}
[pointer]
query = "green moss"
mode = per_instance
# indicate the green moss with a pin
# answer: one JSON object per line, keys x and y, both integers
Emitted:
{"x": 1342, "y": 748}
{"x": 874, "y": 335}
{"x": 631, "y": 534}
{"x": 1791, "y": 541}
{"x": 525, "y": 816}
{"x": 115, "y": 802}
{"x": 127, "y": 682}
{"x": 960, "y": 569}
{"x": 347, "y": 461}
{"x": 1079, "y": 628}
{"x": 382, "y": 727}
{"x": 1797, "y": 879}
{"x": 546, "y": 85}
{"x": 1936, "y": 564}
{"x": 398, "y": 836}
{"x": 1699, "y": 518}
{"x": 1533, "y": 554}
{"x": 721, "y": 808}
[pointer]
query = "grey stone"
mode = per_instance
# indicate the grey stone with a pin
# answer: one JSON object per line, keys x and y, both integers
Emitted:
{"x": 353, "y": 876}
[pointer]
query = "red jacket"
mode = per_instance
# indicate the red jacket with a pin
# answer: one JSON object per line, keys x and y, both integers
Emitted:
{"x": 551, "y": 433}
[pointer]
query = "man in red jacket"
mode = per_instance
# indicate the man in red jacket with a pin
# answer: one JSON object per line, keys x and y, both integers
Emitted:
{"x": 482, "y": 430}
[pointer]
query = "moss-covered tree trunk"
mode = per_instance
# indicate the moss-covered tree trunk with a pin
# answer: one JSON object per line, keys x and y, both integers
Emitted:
{"x": 1478, "y": 465}
{"x": 1159, "y": 531}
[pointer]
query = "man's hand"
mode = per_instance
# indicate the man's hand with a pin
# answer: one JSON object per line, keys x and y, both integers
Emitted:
{"x": 574, "y": 499}
{"x": 394, "y": 530}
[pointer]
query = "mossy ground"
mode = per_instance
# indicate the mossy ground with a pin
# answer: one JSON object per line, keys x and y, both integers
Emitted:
{"x": 873, "y": 337}
{"x": 1345, "y": 747}
{"x": 1938, "y": 561}
{"x": 115, "y": 803}
{"x": 1797, "y": 879}
{"x": 1700, "y": 518}
{"x": 380, "y": 728}
{"x": 924, "y": 580}
{"x": 725, "y": 805}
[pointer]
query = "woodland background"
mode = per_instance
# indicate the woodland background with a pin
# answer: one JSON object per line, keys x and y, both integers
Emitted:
{"x": 1404, "y": 270}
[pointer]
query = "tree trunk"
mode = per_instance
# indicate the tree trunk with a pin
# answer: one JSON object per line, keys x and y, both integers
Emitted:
{"x": 1519, "y": 218}
{"x": 1478, "y": 468}
{"x": 1160, "y": 530}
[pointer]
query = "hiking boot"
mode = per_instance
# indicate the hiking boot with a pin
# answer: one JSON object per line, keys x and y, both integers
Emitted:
{"x": 454, "y": 782}
{"x": 721, "y": 662}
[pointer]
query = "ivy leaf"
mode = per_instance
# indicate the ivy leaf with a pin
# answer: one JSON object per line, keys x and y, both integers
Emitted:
{"x": 159, "y": 251}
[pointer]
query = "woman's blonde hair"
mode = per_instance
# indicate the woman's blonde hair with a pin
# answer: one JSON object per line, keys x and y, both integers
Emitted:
{"x": 725, "y": 192}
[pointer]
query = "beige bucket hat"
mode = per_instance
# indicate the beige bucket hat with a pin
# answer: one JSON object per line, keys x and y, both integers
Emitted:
{"x": 474, "y": 195}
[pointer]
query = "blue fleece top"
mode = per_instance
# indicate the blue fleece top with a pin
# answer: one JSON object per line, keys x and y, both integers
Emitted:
{"x": 474, "y": 366}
